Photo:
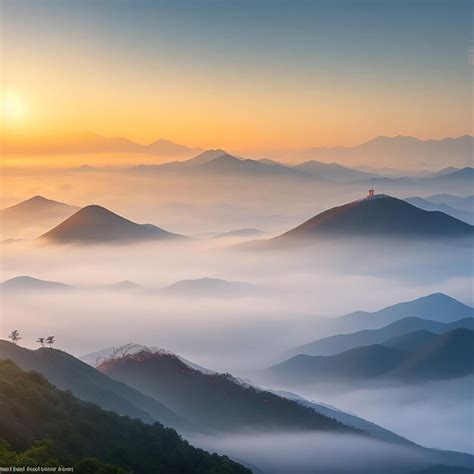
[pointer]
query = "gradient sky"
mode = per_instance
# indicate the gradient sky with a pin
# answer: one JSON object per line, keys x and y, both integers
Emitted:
{"x": 237, "y": 74}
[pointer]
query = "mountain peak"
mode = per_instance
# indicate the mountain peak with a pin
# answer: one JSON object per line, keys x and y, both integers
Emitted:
{"x": 96, "y": 209}
{"x": 38, "y": 198}
{"x": 25, "y": 282}
{"x": 96, "y": 224}
{"x": 37, "y": 202}
{"x": 205, "y": 157}
{"x": 380, "y": 216}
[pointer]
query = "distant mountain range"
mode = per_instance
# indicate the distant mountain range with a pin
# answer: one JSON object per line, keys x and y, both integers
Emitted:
{"x": 380, "y": 216}
{"x": 41, "y": 425}
{"x": 33, "y": 216}
{"x": 332, "y": 345}
{"x": 455, "y": 177}
{"x": 91, "y": 143}
{"x": 459, "y": 208}
{"x": 217, "y": 164}
{"x": 210, "y": 287}
{"x": 220, "y": 163}
{"x": 27, "y": 283}
{"x": 459, "y": 203}
{"x": 407, "y": 152}
{"x": 333, "y": 172}
{"x": 95, "y": 224}
{"x": 436, "y": 307}
{"x": 192, "y": 288}
{"x": 415, "y": 357}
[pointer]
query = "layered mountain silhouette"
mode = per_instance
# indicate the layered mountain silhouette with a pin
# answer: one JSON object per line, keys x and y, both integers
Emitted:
{"x": 437, "y": 307}
{"x": 27, "y": 283}
{"x": 232, "y": 166}
{"x": 96, "y": 224}
{"x": 204, "y": 158}
{"x": 332, "y": 345}
{"x": 457, "y": 177}
{"x": 427, "y": 205}
{"x": 93, "y": 143}
{"x": 135, "y": 446}
{"x": 407, "y": 152}
{"x": 186, "y": 165}
{"x": 411, "y": 341}
{"x": 333, "y": 171}
{"x": 69, "y": 373}
{"x": 222, "y": 164}
{"x": 210, "y": 287}
{"x": 412, "y": 358}
{"x": 54, "y": 428}
{"x": 380, "y": 216}
{"x": 217, "y": 402}
{"x": 455, "y": 202}
{"x": 29, "y": 218}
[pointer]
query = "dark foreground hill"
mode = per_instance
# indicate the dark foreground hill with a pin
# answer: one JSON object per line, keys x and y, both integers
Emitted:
{"x": 32, "y": 410}
{"x": 87, "y": 383}
{"x": 415, "y": 360}
{"x": 214, "y": 401}
{"x": 96, "y": 224}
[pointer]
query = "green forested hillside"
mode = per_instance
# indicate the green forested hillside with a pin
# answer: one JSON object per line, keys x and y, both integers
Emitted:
{"x": 32, "y": 411}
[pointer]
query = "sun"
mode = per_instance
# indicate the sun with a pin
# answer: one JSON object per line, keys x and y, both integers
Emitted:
{"x": 13, "y": 108}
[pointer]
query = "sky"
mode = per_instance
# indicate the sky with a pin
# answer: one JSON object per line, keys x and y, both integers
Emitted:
{"x": 241, "y": 75}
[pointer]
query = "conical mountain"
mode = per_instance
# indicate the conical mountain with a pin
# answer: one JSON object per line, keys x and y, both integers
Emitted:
{"x": 29, "y": 218}
{"x": 379, "y": 216}
{"x": 96, "y": 224}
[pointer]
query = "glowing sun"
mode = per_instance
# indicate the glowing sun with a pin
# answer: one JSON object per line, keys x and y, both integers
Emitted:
{"x": 13, "y": 108}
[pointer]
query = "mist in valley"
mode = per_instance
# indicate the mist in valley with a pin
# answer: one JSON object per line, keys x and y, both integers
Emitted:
{"x": 294, "y": 293}
{"x": 244, "y": 227}
{"x": 304, "y": 453}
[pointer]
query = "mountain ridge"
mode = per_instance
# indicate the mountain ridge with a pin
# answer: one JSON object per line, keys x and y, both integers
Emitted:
{"x": 96, "y": 224}
{"x": 35, "y": 414}
{"x": 332, "y": 345}
{"x": 69, "y": 373}
{"x": 444, "y": 356}
{"x": 216, "y": 401}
